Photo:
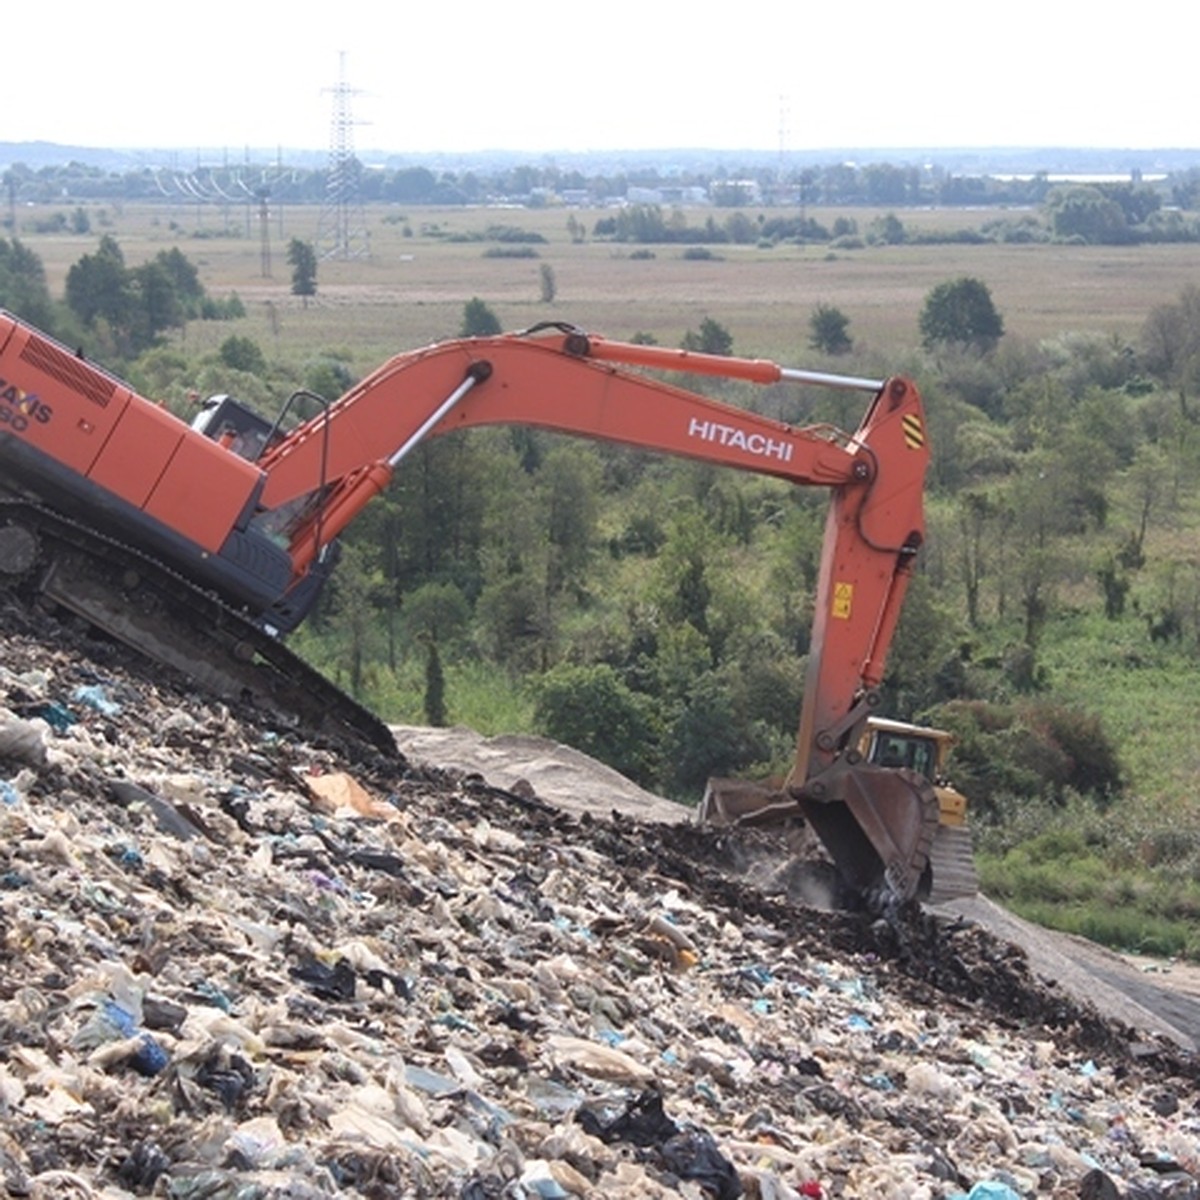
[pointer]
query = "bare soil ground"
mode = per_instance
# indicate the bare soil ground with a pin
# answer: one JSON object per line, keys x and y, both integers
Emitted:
{"x": 1150, "y": 996}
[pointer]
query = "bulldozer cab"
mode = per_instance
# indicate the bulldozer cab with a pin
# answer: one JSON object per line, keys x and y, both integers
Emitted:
{"x": 919, "y": 748}
{"x": 898, "y": 744}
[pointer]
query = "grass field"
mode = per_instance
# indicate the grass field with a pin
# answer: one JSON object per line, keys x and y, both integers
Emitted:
{"x": 411, "y": 289}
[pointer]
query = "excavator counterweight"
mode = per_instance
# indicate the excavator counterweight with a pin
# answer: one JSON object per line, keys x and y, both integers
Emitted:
{"x": 204, "y": 543}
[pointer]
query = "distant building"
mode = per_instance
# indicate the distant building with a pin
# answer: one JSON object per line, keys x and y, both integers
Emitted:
{"x": 742, "y": 191}
{"x": 667, "y": 194}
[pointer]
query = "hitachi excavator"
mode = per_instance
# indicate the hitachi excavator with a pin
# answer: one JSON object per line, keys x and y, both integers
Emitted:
{"x": 202, "y": 544}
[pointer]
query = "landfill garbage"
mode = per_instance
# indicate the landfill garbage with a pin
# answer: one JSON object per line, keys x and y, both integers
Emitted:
{"x": 222, "y": 981}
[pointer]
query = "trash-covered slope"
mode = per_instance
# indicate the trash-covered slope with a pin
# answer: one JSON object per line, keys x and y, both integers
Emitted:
{"x": 239, "y": 964}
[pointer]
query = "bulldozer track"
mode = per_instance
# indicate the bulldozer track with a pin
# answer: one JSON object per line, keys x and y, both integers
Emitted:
{"x": 158, "y": 613}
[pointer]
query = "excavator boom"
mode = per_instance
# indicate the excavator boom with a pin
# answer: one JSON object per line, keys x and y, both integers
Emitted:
{"x": 250, "y": 513}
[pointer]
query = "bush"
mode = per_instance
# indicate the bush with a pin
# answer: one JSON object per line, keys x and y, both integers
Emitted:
{"x": 591, "y": 709}
{"x": 1033, "y": 750}
{"x": 511, "y": 233}
{"x": 478, "y": 320}
{"x": 243, "y": 354}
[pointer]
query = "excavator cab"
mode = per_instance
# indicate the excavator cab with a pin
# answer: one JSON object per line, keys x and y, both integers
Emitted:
{"x": 234, "y": 425}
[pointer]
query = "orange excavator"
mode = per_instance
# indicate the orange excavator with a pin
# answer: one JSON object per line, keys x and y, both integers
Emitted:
{"x": 203, "y": 544}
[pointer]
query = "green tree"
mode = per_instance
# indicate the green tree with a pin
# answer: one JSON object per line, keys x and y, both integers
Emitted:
{"x": 435, "y": 688}
{"x": 302, "y": 258}
{"x": 711, "y": 338}
{"x": 828, "y": 330}
{"x": 569, "y": 483}
{"x": 960, "y": 312}
{"x": 98, "y": 286}
{"x": 711, "y": 735}
{"x": 515, "y": 622}
{"x": 478, "y": 320}
{"x": 639, "y": 223}
{"x": 1170, "y": 344}
{"x": 435, "y": 612}
{"x": 156, "y": 305}
{"x": 888, "y": 229}
{"x": 433, "y": 616}
{"x": 134, "y": 305}
{"x": 1087, "y": 214}
{"x": 243, "y": 354}
{"x": 352, "y": 600}
{"x": 328, "y": 377}
{"x": 184, "y": 277}
{"x": 591, "y": 709}
{"x": 23, "y": 288}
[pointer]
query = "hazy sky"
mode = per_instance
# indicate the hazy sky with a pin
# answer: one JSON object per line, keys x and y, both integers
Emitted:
{"x": 618, "y": 75}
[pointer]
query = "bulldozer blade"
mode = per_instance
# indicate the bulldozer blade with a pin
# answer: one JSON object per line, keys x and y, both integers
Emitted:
{"x": 878, "y": 829}
{"x": 952, "y": 864}
{"x": 743, "y": 802}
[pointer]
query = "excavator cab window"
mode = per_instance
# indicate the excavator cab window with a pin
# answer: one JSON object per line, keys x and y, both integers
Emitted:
{"x": 231, "y": 423}
{"x": 904, "y": 750}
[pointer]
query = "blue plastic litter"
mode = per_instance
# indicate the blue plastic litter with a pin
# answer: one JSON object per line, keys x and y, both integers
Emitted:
{"x": 121, "y": 1019}
{"x": 150, "y": 1057}
{"x": 57, "y": 716}
{"x": 990, "y": 1189}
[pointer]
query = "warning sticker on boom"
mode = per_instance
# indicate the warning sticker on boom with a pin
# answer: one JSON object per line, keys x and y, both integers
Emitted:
{"x": 843, "y": 600}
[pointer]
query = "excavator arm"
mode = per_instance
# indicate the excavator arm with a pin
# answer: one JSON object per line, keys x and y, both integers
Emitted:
{"x": 877, "y": 824}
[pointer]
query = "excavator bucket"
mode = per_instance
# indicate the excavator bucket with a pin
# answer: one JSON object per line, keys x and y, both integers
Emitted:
{"x": 879, "y": 830}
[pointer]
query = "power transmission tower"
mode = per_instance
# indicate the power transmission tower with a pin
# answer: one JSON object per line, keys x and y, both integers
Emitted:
{"x": 264, "y": 227}
{"x": 342, "y": 226}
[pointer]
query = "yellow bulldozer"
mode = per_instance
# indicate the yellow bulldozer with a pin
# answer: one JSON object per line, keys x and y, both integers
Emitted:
{"x": 891, "y": 745}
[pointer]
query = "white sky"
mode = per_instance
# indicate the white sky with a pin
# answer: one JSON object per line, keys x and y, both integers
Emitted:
{"x": 623, "y": 74}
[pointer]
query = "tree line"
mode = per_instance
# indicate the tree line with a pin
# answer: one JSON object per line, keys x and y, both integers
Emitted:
{"x": 881, "y": 184}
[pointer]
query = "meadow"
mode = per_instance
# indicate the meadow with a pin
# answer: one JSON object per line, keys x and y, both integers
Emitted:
{"x": 424, "y": 264}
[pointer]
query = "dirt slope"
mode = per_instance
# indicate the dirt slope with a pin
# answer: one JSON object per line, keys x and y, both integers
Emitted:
{"x": 565, "y": 777}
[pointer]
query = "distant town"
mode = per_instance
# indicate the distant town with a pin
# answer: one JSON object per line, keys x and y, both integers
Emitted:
{"x": 42, "y": 172}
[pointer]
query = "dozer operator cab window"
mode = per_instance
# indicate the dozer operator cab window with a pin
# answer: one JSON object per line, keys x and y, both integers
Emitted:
{"x": 902, "y": 750}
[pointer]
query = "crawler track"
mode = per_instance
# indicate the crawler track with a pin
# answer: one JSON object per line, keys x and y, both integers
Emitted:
{"x": 160, "y": 614}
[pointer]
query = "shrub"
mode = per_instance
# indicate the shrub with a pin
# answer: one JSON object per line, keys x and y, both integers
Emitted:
{"x": 243, "y": 354}
{"x": 1032, "y": 750}
{"x": 591, "y": 709}
{"x": 478, "y": 320}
